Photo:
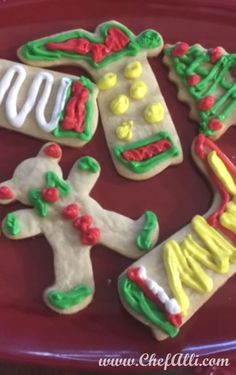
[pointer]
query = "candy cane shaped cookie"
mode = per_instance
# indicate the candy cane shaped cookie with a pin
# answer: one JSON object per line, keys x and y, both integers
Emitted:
{"x": 47, "y": 104}
{"x": 72, "y": 222}
{"x": 138, "y": 127}
{"x": 168, "y": 285}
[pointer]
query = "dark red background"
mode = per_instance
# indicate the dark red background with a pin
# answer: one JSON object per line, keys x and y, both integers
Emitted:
{"x": 29, "y": 331}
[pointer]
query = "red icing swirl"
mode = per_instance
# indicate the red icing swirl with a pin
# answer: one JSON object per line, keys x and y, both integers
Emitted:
{"x": 83, "y": 223}
{"x": 6, "y": 193}
{"x": 180, "y": 49}
{"x": 215, "y": 124}
{"x": 215, "y": 54}
{"x": 194, "y": 80}
{"x": 147, "y": 152}
{"x": 90, "y": 237}
{"x": 206, "y": 103}
{"x": 53, "y": 151}
{"x": 51, "y": 195}
{"x": 71, "y": 211}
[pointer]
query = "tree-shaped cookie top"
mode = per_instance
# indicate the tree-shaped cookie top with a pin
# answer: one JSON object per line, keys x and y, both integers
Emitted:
{"x": 111, "y": 42}
{"x": 208, "y": 76}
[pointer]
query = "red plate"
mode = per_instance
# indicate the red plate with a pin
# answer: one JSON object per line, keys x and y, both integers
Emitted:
{"x": 30, "y": 332}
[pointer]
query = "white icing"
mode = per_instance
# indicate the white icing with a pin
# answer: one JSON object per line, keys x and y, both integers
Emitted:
{"x": 11, "y": 90}
{"x": 172, "y": 306}
{"x": 142, "y": 272}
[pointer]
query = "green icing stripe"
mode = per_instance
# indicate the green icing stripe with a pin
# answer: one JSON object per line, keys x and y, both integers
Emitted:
{"x": 36, "y": 200}
{"x": 144, "y": 307}
{"x": 37, "y": 50}
{"x": 87, "y": 134}
{"x": 144, "y": 240}
{"x": 54, "y": 181}
{"x": 213, "y": 78}
{"x": 89, "y": 164}
{"x": 66, "y": 300}
{"x": 146, "y": 165}
{"x": 12, "y": 225}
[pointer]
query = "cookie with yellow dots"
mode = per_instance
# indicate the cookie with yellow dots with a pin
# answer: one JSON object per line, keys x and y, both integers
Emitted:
{"x": 138, "y": 127}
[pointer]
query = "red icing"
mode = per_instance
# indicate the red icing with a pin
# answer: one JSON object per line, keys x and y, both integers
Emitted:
{"x": 75, "y": 112}
{"x": 133, "y": 275}
{"x": 147, "y": 152}
{"x": 215, "y": 124}
{"x": 53, "y": 151}
{"x": 90, "y": 236}
{"x": 216, "y": 54}
{"x": 194, "y": 79}
{"x": 83, "y": 223}
{"x": 206, "y": 103}
{"x": 71, "y": 211}
{"x": 180, "y": 49}
{"x": 6, "y": 193}
{"x": 51, "y": 195}
{"x": 115, "y": 41}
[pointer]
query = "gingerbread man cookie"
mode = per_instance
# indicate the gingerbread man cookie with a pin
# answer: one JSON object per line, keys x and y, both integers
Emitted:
{"x": 205, "y": 79}
{"x": 167, "y": 286}
{"x": 46, "y": 104}
{"x": 138, "y": 127}
{"x": 71, "y": 221}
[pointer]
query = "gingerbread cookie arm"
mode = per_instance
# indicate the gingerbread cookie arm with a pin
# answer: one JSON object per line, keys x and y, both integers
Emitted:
{"x": 84, "y": 174}
{"x": 167, "y": 286}
{"x": 21, "y": 224}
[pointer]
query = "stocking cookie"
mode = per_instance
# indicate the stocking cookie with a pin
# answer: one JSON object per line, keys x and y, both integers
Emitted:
{"x": 71, "y": 221}
{"x": 167, "y": 286}
{"x": 205, "y": 79}
{"x": 138, "y": 127}
{"x": 46, "y": 104}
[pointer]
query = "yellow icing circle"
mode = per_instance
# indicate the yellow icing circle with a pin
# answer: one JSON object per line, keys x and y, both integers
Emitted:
{"x": 108, "y": 81}
{"x": 138, "y": 90}
{"x": 133, "y": 70}
{"x": 154, "y": 113}
{"x": 125, "y": 130}
{"x": 120, "y": 105}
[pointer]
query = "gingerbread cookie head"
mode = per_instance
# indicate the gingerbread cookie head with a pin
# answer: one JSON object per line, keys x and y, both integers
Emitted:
{"x": 138, "y": 127}
{"x": 205, "y": 79}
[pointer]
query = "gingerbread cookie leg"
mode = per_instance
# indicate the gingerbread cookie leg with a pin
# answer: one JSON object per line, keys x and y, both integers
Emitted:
{"x": 71, "y": 221}
{"x": 167, "y": 286}
{"x": 138, "y": 127}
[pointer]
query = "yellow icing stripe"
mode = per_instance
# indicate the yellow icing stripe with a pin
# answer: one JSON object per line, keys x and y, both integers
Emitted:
{"x": 221, "y": 172}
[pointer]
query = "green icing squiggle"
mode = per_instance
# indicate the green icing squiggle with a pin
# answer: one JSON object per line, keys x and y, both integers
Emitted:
{"x": 144, "y": 240}
{"x": 12, "y": 225}
{"x": 65, "y": 300}
{"x": 89, "y": 164}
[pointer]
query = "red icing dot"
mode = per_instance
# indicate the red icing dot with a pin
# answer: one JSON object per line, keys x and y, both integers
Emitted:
{"x": 6, "y": 193}
{"x": 133, "y": 273}
{"x": 71, "y": 211}
{"x": 206, "y": 103}
{"x": 216, "y": 54}
{"x": 51, "y": 195}
{"x": 194, "y": 79}
{"x": 90, "y": 236}
{"x": 180, "y": 49}
{"x": 83, "y": 223}
{"x": 53, "y": 151}
{"x": 215, "y": 124}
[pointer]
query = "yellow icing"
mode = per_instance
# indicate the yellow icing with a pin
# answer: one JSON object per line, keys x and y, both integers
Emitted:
{"x": 138, "y": 90}
{"x": 154, "y": 113}
{"x": 108, "y": 81}
{"x": 120, "y": 105}
{"x": 228, "y": 218}
{"x": 133, "y": 70}
{"x": 125, "y": 131}
{"x": 221, "y": 172}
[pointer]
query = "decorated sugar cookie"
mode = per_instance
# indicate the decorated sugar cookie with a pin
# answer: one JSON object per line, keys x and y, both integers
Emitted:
{"x": 72, "y": 222}
{"x": 205, "y": 79}
{"x": 46, "y": 104}
{"x": 167, "y": 286}
{"x": 138, "y": 127}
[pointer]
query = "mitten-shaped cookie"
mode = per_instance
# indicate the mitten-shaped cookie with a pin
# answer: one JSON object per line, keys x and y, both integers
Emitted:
{"x": 205, "y": 79}
{"x": 72, "y": 221}
{"x": 47, "y": 104}
{"x": 138, "y": 127}
{"x": 168, "y": 285}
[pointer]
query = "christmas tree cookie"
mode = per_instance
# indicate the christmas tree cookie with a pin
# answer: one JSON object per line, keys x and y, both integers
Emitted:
{"x": 46, "y": 104}
{"x": 72, "y": 222}
{"x": 138, "y": 127}
{"x": 168, "y": 285}
{"x": 205, "y": 79}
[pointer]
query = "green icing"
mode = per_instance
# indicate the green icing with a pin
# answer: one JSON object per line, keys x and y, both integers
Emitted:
{"x": 215, "y": 81}
{"x": 65, "y": 300}
{"x": 146, "y": 165}
{"x": 12, "y": 225}
{"x": 37, "y": 50}
{"x": 87, "y": 134}
{"x": 144, "y": 240}
{"x": 35, "y": 195}
{"x": 89, "y": 164}
{"x": 144, "y": 307}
